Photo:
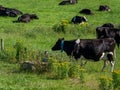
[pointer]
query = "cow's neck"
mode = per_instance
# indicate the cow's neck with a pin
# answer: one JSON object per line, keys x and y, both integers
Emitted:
{"x": 68, "y": 47}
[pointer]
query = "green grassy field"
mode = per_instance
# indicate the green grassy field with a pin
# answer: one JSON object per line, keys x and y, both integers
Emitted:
{"x": 39, "y": 35}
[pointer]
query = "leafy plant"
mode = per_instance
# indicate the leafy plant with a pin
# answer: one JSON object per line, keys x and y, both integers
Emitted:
{"x": 116, "y": 79}
{"x": 61, "y": 27}
{"x": 105, "y": 83}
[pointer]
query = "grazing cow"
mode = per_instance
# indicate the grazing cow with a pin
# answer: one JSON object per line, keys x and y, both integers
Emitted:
{"x": 26, "y": 18}
{"x": 107, "y": 32}
{"x": 104, "y": 8}
{"x": 94, "y": 49}
{"x": 86, "y": 11}
{"x": 79, "y": 19}
{"x": 67, "y": 2}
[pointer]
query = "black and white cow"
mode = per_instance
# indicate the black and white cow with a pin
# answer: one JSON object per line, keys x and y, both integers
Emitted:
{"x": 108, "y": 32}
{"x": 104, "y": 8}
{"x": 91, "y": 49}
{"x": 79, "y": 19}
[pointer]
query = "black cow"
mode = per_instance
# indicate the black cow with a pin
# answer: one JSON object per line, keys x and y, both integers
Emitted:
{"x": 79, "y": 19}
{"x": 26, "y": 18}
{"x": 67, "y": 2}
{"x": 86, "y": 11}
{"x": 64, "y": 3}
{"x": 104, "y": 8}
{"x": 94, "y": 49}
{"x": 4, "y": 11}
{"x": 108, "y": 32}
{"x": 13, "y": 12}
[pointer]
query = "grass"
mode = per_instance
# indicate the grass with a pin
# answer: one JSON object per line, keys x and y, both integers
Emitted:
{"x": 38, "y": 35}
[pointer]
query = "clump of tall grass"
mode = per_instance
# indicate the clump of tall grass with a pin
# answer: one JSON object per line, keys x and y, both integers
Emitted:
{"x": 116, "y": 79}
{"x": 61, "y": 27}
{"x": 65, "y": 69}
{"x": 105, "y": 83}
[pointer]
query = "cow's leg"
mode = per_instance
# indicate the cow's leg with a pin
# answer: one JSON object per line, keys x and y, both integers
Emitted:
{"x": 110, "y": 58}
{"x": 105, "y": 64}
{"x": 83, "y": 63}
{"x": 115, "y": 53}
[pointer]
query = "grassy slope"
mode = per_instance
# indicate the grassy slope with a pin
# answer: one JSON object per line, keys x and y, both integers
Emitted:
{"x": 43, "y": 38}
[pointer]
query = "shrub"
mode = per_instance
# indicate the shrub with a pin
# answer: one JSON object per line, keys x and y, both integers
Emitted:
{"x": 61, "y": 27}
{"x": 20, "y": 50}
{"x": 65, "y": 69}
{"x": 116, "y": 79}
{"x": 105, "y": 83}
{"x": 60, "y": 70}
{"x": 81, "y": 75}
{"x": 74, "y": 69}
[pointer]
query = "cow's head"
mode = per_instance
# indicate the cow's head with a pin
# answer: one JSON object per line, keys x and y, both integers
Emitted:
{"x": 101, "y": 32}
{"x": 58, "y": 45}
{"x": 34, "y": 16}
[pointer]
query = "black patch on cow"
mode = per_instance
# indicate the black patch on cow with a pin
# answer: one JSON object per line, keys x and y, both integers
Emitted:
{"x": 86, "y": 11}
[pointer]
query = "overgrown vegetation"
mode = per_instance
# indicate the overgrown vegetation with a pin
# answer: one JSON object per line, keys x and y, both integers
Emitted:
{"x": 27, "y": 42}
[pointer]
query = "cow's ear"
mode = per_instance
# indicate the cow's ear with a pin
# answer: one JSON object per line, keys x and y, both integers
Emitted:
{"x": 62, "y": 38}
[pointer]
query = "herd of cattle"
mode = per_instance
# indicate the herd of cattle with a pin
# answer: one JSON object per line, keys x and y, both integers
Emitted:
{"x": 11, "y": 12}
{"x": 92, "y": 49}
{"x": 103, "y": 47}
{"x": 80, "y": 19}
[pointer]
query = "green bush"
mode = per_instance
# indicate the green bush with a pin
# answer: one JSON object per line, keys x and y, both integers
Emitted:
{"x": 61, "y": 27}
{"x": 105, "y": 83}
{"x": 116, "y": 79}
{"x": 60, "y": 70}
{"x": 74, "y": 69}
{"x": 20, "y": 50}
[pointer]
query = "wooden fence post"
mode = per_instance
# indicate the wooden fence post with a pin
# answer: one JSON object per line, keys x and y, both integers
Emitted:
{"x": 2, "y": 45}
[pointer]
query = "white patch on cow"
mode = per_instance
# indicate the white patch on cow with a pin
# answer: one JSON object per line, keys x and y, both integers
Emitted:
{"x": 85, "y": 18}
{"x": 115, "y": 53}
{"x": 71, "y": 1}
{"x": 112, "y": 66}
{"x": 103, "y": 54}
{"x": 77, "y": 41}
{"x": 110, "y": 53}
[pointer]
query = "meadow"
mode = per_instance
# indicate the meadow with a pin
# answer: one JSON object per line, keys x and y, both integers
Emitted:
{"x": 39, "y": 36}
